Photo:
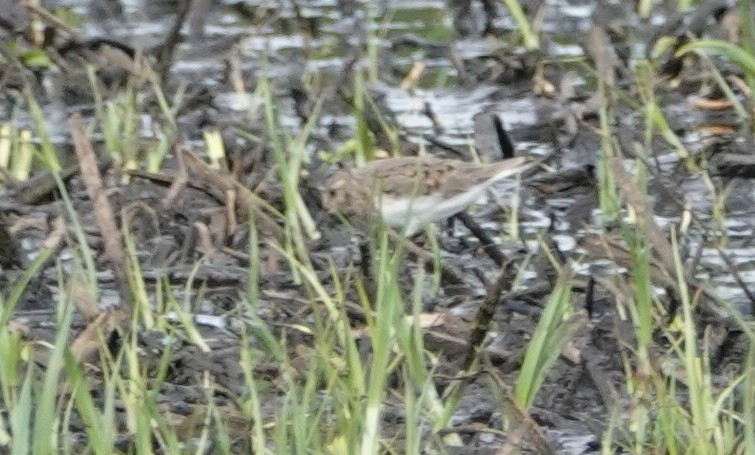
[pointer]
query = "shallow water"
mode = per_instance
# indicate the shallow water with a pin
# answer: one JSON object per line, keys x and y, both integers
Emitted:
{"x": 424, "y": 29}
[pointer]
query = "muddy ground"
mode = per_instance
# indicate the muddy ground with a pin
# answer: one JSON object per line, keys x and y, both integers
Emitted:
{"x": 476, "y": 89}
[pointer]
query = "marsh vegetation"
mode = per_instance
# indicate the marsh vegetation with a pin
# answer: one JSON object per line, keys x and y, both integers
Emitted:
{"x": 170, "y": 281}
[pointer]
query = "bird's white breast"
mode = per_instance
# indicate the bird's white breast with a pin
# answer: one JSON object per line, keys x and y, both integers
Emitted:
{"x": 411, "y": 214}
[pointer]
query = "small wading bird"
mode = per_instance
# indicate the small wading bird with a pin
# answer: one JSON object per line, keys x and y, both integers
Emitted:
{"x": 410, "y": 192}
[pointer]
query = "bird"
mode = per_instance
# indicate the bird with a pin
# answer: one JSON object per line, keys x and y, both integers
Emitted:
{"x": 408, "y": 193}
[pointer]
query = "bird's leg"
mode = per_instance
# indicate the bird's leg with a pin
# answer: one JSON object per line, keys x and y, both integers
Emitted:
{"x": 450, "y": 277}
{"x": 365, "y": 267}
{"x": 486, "y": 242}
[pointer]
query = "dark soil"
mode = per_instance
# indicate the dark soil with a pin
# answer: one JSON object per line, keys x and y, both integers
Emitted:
{"x": 495, "y": 101}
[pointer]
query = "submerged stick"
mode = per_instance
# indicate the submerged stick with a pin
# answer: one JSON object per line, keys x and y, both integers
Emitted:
{"x": 486, "y": 312}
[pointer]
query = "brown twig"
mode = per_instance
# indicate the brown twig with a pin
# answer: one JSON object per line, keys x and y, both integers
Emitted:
{"x": 53, "y": 20}
{"x": 180, "y": 181}
{"x": 249, "y": 203}
{"x": 203, "y": 233}
{"x": 525, "y": 425}
{"x": 103, "y": 212}
{"x": 102, "y": 325}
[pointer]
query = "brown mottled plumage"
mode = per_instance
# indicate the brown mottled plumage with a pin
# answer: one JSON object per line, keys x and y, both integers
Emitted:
{"x": 411, "y": 192}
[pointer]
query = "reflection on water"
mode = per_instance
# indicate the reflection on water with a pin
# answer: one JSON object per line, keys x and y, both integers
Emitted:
{"x": 405, "y": 32}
